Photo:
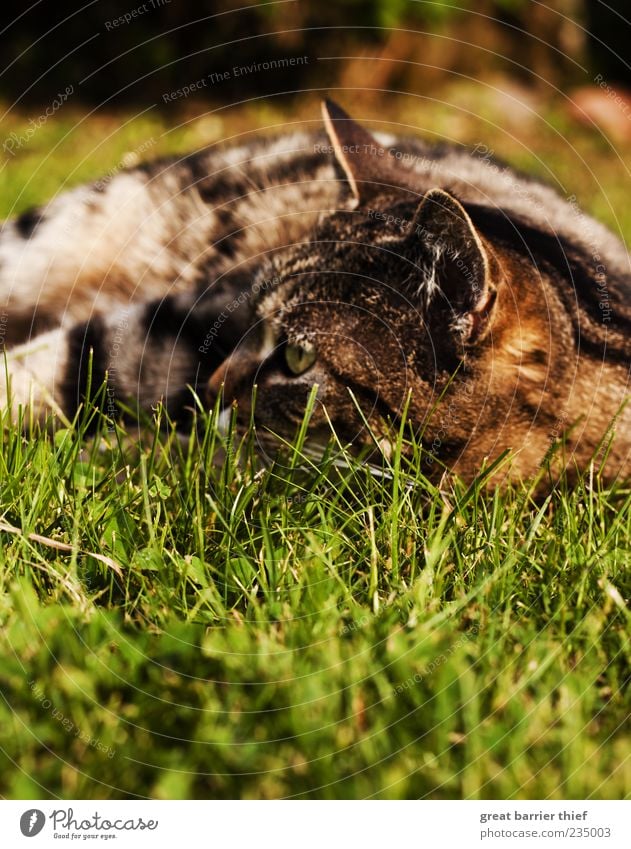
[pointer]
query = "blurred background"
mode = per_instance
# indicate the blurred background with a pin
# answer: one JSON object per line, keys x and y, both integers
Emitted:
{"x": 86, "y": 90}
{"x": 416, "y": 42}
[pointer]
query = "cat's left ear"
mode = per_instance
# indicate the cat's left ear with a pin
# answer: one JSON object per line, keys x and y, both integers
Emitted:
{"x": 364, "y": 161}
{"x": 456, "y": 263}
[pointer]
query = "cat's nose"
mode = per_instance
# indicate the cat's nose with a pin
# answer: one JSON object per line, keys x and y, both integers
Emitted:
{"x": 216, "y": 382}
{"x": 235, "y": 377}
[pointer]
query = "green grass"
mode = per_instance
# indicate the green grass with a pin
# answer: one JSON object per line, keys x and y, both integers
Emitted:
{"x": 179, "y": 620}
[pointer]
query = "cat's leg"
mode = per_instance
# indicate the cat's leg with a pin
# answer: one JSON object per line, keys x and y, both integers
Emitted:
{"x": 140, "y": 356}
{"x": 32, "y": 375}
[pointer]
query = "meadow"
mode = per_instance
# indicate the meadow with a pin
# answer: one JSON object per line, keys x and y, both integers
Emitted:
{"x": 181, "y": 620}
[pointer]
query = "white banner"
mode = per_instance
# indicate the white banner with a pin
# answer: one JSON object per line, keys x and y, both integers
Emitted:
{"x": 316, "y": 825}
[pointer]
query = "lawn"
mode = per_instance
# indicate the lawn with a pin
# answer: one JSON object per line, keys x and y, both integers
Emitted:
{"x": 180, "y": 620}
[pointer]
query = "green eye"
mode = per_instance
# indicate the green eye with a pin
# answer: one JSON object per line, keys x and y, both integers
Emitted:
{"x": 299, "y": 359}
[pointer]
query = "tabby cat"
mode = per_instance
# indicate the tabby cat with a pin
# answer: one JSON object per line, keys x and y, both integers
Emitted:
{"x": 384, "y": 270}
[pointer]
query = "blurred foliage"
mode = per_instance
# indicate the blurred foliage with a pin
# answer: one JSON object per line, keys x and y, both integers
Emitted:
{"x": 120, "y": 51}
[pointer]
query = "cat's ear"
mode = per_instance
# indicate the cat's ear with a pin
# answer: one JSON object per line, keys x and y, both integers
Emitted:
{"x": 363, "y": 160}
{"x": 457, "y": 265}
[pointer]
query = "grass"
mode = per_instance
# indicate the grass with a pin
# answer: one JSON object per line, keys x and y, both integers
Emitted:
{"x": 179, "y": 620}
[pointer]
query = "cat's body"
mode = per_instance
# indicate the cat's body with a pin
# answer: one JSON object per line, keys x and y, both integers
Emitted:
{"x": 502, "y": 318}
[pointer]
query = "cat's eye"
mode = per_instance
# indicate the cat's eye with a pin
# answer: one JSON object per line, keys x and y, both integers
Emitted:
{"x": 299, "y": 359}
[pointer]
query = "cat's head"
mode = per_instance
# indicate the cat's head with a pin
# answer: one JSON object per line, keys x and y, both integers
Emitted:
{"x": 386, "y": 299}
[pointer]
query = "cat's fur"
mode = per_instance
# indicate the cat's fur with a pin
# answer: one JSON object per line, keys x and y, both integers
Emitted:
{"x": 408, "y": 273}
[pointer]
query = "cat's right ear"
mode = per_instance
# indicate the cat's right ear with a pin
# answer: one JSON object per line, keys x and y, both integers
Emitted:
{"x": 456, "y": 265}
{"x": 366, "y": 167}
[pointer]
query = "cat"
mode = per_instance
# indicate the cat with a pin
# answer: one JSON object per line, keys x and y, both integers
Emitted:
{"x": 395, "y": 275}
